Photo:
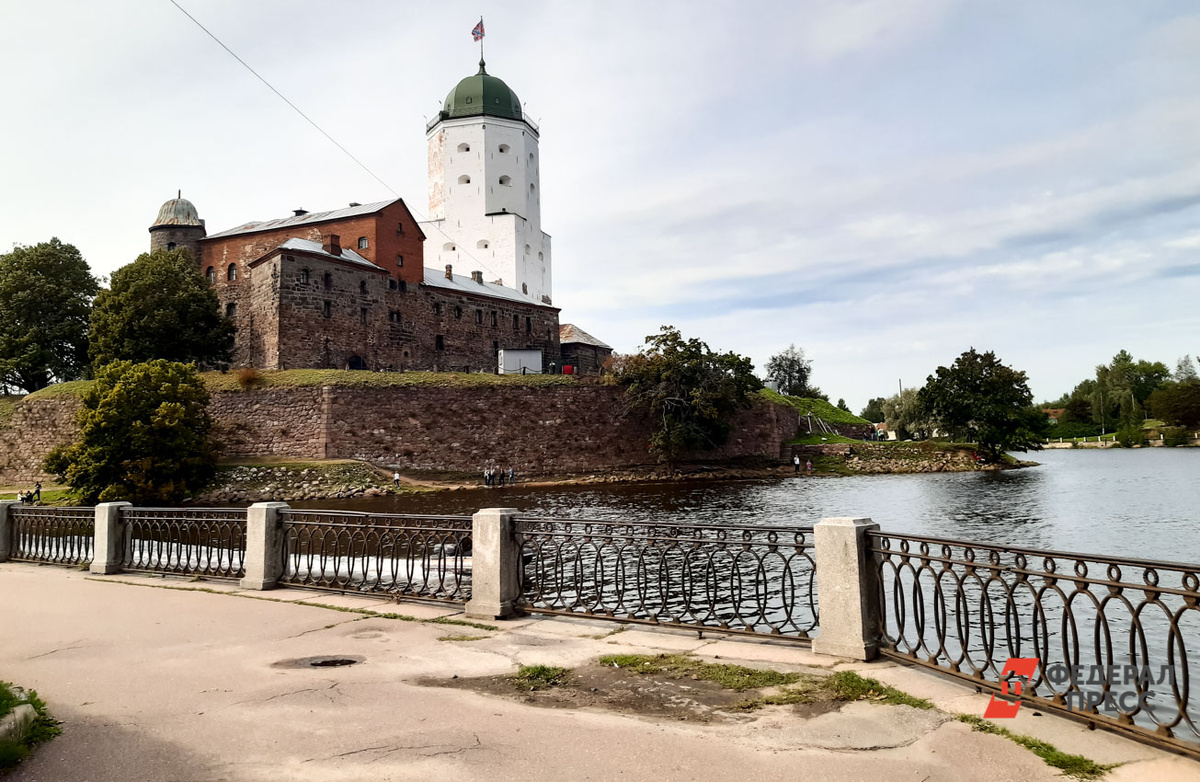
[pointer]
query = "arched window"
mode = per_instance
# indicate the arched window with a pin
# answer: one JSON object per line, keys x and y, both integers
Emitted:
{"x": 231, "y": 272}
{"x": 506, "y": 180}
{"x": 530, "y": 157}
{"x": 362, "y": 286}
{"x": 482, "y": 244}
{"x": 170, "y": 245}
{"x": 304, "y": 276}
{"x": 527, "y": 249}
{"x": 231, "y": 309}
{"x": 524, "y": 287}
{"x": 464, "y": 147}
{"x": 464, "y": 180}
{"x": 211, "y": 275}
{"x": 448, "y": 247}
{"x": 328, "y": 281}
{"x": 531, "y": 187}
{"x": 363, "y": 243}
{"x": 504, "y": 149}
{"x": 541, "y": 257}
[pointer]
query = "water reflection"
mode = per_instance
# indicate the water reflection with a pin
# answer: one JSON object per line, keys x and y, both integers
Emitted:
{"x": 1142, "y": 503}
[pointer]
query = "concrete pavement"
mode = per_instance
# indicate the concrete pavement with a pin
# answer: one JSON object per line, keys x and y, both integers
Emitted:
{"x": 179, "y": 684}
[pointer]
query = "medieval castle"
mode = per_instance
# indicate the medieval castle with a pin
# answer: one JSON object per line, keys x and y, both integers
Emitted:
{"x": 349, "y": 289}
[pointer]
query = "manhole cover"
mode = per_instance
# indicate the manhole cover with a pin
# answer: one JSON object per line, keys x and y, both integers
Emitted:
{"x": 332, "y": 662}
{"x": 321, "y": 661}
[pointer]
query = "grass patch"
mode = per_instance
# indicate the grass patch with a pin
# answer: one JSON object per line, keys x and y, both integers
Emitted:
{"x": 818, "y": 407}
{"x": 56, "y": 497}
{"x": 462, "y": 637}
{"x": 309, "y": 378}
{"x": 678, "y": 666}
{"x": 1076, "y": 766}
{"x": 540, "y": 677}
{"x": 849, "y": 686}
{"x": 445, "y": 620}
{"x": 75, "y": 388}
{"x": 43, "y": 729}
{"x": 821, "y": 439}
{"x": 8, "y": 406}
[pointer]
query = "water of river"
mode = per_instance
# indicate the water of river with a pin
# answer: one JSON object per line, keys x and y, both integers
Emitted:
{"x": 1136, "y": 503}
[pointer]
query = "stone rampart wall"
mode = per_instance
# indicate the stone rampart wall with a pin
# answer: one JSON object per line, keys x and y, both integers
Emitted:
{"x": 535, "y": 430}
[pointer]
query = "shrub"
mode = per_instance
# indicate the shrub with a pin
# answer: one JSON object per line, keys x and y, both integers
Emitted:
{"x": 248, "y": 378}
{"x": 1131, "y": 436}
{"x": 1174, "y": 436}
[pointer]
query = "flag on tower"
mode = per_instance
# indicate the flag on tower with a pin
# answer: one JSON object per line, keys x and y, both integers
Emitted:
{"x": 477, "y": 33}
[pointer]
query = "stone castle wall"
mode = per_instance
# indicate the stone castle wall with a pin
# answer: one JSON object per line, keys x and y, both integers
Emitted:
{"x": 535, "y": 430}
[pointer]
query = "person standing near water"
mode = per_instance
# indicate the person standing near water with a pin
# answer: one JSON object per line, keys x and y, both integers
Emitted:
{"x": 808, "y": 466}
{"x": 796, "y": 462}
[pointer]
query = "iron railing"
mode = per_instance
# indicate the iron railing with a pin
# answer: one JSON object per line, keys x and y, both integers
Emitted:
{"x": 427, "y": 557}
{"x": 757, "y": 580}
{"x": 1111, "y": 635}
{"x": 59, "y": 536}
{"x": 185, "y": 541}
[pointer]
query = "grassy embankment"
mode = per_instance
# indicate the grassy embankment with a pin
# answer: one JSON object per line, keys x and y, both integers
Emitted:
{"x": 43, "y": 729}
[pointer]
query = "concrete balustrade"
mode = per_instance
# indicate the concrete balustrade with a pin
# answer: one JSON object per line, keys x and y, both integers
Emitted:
{"x": 108, "y": 549}
{"x": 264, "y": 546}
{"x": 495, "y": 564}
{"x": 848, "y": 592}
{"x": 5, "y": 530}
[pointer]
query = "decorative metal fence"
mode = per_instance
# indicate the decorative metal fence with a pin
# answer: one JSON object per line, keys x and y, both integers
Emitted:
{"x": 1111, "y": 635}
{"x": 759, "y": 580}
{"x": 60, "y": 536}
{"x": 417, "y": 556}
{"x": 185, "y": 541}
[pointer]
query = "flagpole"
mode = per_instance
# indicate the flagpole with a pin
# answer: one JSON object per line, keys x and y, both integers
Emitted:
{"x": 480, "y": 40}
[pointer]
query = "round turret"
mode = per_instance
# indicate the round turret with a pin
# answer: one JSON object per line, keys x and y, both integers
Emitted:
{"x": 482, "y": 95}
{"x": 178, "y": 225}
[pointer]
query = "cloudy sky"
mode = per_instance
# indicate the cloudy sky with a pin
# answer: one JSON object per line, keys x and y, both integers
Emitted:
{"x": 884, "y": 183}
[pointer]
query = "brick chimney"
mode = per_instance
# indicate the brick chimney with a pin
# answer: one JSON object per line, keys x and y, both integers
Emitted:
{"x": 299, "y": 212}
{"x": 477, "y": 277}
{"x": 449, "y": 272}
{"x": 333, "y": 244}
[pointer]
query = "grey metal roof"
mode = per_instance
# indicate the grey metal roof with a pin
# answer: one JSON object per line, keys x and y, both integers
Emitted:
{"x": 348, "y": 255}
{"x": 460, "y": 284}
{"x": 568, "y": 333}
{"x": 315, "y": 217}
{"x": 178, "y": 211}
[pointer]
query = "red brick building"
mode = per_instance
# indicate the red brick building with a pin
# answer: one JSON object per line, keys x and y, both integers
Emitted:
{"x": 347, "y": 289}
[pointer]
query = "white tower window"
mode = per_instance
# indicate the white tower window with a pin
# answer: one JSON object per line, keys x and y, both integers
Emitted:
{"x": 464, "y": 180}
{"x": 541, "y": 257}
{"x": 506, "y": 180}
{"x": 527, "y": 249}
{"x": 531, "y": 188}
{"x": 464, "y": 147}
{"x": 504, "y": 149}
{"x": 482, "y": 244}
{"x": 448, "y": 247}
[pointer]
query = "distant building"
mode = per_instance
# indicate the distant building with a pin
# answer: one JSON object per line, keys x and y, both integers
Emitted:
{"x": 581, "y": 350}
{"x": 1054, "y": 413}
{"x": 349, "y": 288}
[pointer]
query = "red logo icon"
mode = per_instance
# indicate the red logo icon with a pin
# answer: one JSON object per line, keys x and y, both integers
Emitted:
{"x": 1024, "y": 669}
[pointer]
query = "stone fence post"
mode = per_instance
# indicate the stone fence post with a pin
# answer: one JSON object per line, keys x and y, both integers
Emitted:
{"x": 264, "y": 546}
{"x": 109, "y": 542}
{"x": 495, "y": 560}
{"x": 849, "y": 589}
{"x": 6, "y": 529}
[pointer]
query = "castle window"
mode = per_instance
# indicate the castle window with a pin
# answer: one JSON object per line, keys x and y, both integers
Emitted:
{"x": 170, "y": 245}
{"x": 441, "y": 342}
{"x": 464, "y": 180}
{"x": 394, "y": 316}
{"x": 231, "y": 309}
{"x": 506, "y": 180}
{"x": 231, "y": 272}
{"x": 530, "y": 157}
{"x": 541, "y": 257}
{"x": 328, "y": 281}
{"x": 516, "y": 323}
{"x": 524, "y": 287}
{"x": 493, "y": 319}
{"x": 468, "y": 99}
{"x": 362, "y": 315}
{"x": 528, "y": 326}
{"x": 448, "y": 247}
{"x": 328, "y": 311}
{"x": 403, "y": 286}
{"x": 458, "y": 313}
{"x": 478, "y": 317}
{"x": 527, "y": 249}
{"x": 362, "y": 286}
{"x": 531, "y": 187}
{"x": 399, "y": 260}
{"x": 482, "y": 244}
{"x": 211, "y": 275}
{"x": 363, "y": 243}
{"x": 437, "y": 308}
{"x": 464, "y": 147}
{"x": 504, "y": 149}
{"x": 392, "y": 284}
{"x": 399, "y": 228}
{"x": 304, "y": 276}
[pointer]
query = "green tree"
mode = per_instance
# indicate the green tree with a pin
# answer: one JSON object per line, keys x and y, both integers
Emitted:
{"x": 1185, "y": 369}
{"x": 978, "y": 399}
{"x": 904, "y": 415}
{"x": 689, "y": 391}
{"x": 144, "y": 436}
{"x": 792, "y": 371}
{"x": 1177, "y": 403}
{"x": 873, "y": 412}
{"x": 841, "y": 405}
{"x": 46, "y": 296}
{"x": 159, "y": 307}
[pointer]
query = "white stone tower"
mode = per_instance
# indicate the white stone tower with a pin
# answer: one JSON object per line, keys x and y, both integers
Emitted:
{"x": 484, "y": 190}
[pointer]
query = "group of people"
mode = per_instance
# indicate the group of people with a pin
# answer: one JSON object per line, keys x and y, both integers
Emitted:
{"x": 31, "y": 497}
{"x": 807, "y": 465}
{"x": 496, "y": 476}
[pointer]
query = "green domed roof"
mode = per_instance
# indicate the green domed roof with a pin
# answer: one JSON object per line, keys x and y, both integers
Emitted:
{"x": 482, "y": 95}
